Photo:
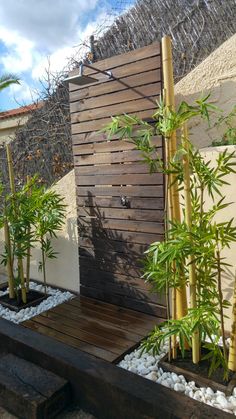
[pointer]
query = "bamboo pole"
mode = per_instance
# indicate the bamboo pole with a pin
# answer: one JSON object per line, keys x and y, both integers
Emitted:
{"x": 9, "y": 260}
{"x": 167, "y": 66}
{"x": 188, "y": 220}
{"x": 13, "y": 190}
{"x": 232, "y": 348}
{"x": 28, "y": 250}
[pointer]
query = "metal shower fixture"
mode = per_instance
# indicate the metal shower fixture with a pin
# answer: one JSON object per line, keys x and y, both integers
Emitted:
{"x": 81, "y": 79}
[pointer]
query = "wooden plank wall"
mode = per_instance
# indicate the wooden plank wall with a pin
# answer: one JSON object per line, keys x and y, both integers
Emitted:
{"x": 112, "y": 236}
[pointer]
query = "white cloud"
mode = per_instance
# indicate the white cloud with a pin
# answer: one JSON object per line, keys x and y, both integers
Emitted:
{"x": 48, "y": 24}
{"x": 33, "y": 30}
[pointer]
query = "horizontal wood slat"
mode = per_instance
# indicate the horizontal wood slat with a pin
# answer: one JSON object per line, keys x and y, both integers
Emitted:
{"x": 128, "y": 191}
{"x": 124, "y": 71}
{"x": 128, "y": 225}
{"x": 119, "y": 235}
{"x": 131, "y": 107}
{"x": 111, "y": 146}
{"x": 136, "y": 304}
{"x": 118, "y": 213}
{"x": 115, "y": 98}
{"x": 98, "y": 124}
{"x": 113, "y": 169}
{"x": 123, "y": 288}
{"x": 100, "y": 137}
{"x": 108, "y": 158}
{"x": 110, "y": 246}
{"x": 142, "y": 179}
{"x": 121, "y": 60}
{"x": 113, "y": 237}
{"x": 112, "y": 86}
{"x": 115, "y": 202}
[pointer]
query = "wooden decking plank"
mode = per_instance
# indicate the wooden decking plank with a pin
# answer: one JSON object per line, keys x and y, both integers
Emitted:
{"x": 79, "y": 334}
{"x": 75, "y": 343}
{"x": 123, "y": 324}
{"x": 89, "y": 327}
{"x": 122, "y": 312}
{"x": 102, "y": 329}
{"x": 110, "y": 328}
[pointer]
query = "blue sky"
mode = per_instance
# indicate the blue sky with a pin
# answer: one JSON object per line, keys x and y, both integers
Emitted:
{"x": 31, "y": 31}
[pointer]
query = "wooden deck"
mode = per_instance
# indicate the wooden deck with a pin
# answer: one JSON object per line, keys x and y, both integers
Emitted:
{"x": 104, "y": 330}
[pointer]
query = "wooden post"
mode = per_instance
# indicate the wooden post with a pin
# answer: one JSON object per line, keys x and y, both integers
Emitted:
{"x": 167, "y": 66}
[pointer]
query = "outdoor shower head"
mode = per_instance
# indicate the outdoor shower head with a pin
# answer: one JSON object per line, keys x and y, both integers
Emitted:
{"x": 81, "y": 79}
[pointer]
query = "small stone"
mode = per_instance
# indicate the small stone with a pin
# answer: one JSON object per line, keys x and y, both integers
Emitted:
{"x": 144, "y": 371}
{"x": 210, "y": 392}
{"x": 133, "y": 369}
{"x": 179, "y": 387}
{"x": 153, "y": 368}
{"x": 175, "y": 378}
{"x": 232, "y": 400}
{"x": 165, "y": 383}
{"x": 152, "y": 376}
{"x": 170, "y": 382}
{"x": 222, "y": 401}
{"x": 151, "y": 359}
{"x": 191, "y": 394}
{"x": 182, "y": 379}
{"x": 148, "y": 363}
{"x": 197, "y": 395}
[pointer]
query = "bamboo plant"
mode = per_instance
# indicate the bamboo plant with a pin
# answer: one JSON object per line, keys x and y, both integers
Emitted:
{"x": 31, "y": 214}
{"x": 48, "y": 219}
{"x": 191, "y": 254}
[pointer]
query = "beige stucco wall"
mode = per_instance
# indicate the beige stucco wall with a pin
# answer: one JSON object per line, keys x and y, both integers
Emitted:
{"x": 63, "y": 271}
{"x": 216, "y": 74}
{"x": 229, "y": 191}
{"x": 9, "y": 126}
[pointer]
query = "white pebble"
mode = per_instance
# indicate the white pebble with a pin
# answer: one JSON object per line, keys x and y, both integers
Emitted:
{"x": 144, "y": 371}
{"x": 152, "y": 376}
{"x": 175, "y": 378}
{"x": 165, "y": 383}
{"x": 210, "y": 392}
{"x": 179, "y": 387}
{"x": 222, "y": 401}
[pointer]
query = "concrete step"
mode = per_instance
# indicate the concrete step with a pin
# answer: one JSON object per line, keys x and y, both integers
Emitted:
{"x": 29, "y": 391}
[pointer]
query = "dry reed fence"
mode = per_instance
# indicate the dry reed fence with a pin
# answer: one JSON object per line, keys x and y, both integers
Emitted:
{"x": 197, "y": 27}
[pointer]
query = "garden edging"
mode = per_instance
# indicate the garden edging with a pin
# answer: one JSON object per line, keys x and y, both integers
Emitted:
{"x": 99, "y": 387}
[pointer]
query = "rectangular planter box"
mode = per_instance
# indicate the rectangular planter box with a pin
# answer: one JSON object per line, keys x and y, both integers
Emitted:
{"x": 36, "y": 299}
{"x": 199, "y": 380}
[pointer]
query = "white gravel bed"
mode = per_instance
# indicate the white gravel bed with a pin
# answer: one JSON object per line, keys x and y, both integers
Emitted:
{"x": 146, "y": 365}
{"x": 55, "y": 298}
